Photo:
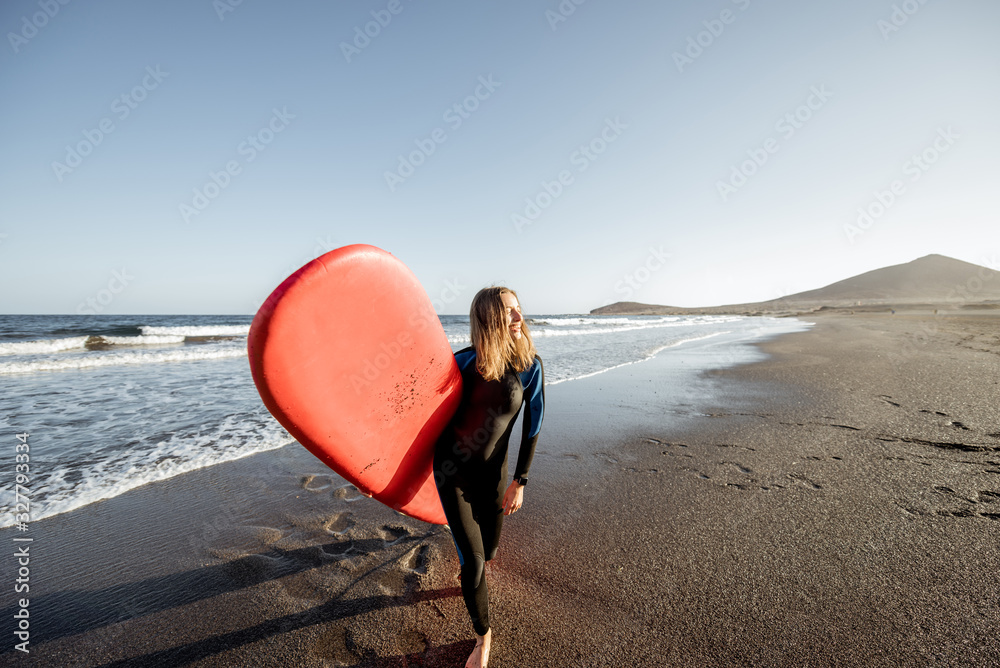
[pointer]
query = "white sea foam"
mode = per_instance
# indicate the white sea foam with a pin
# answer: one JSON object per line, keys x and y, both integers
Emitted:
{"x": 622, "y": 325}
{"x": 568, "y": 321}
{"x": 585, "y": 326}
{"x": 43, "y": 346}
{"x": 67, "y": 489}
{"x": 650, "y": 355}
{"x": 122, "y": 358}
{"x": 197, "y": 330}
{"x": 143, "y": 340}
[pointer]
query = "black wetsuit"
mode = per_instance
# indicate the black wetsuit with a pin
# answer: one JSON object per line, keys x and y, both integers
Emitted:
{"x": 470, "y": 466}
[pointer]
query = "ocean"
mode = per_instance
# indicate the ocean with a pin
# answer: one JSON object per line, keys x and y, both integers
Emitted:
{"x": 114, "y": 402}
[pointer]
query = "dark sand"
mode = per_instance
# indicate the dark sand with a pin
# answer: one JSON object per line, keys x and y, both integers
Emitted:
{"x": 837, "y": 504}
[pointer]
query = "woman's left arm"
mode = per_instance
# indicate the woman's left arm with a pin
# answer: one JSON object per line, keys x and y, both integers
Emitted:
{"x": 533, "y": 382}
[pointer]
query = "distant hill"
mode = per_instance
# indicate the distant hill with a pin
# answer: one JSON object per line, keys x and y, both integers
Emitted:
{"x": 929, "y": 280}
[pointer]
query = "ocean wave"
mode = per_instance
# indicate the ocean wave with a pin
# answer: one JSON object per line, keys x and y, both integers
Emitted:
{"x": 122, "y": 358}
{"x": 67, "y": 489}
{"x": 648, "y": 356}
{"x": 196, "y": 330}
{"x": 142, "y": 340}
{"x": 599, "y": 320}
{"x": 619, "y": 328}
{"x": 43, "y": 346}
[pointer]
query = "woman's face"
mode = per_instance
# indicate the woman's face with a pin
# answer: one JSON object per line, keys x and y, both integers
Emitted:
{"x": 513, "y": 315}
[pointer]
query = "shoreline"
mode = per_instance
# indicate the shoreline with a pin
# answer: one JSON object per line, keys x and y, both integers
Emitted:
{"x": 799, "y": 517}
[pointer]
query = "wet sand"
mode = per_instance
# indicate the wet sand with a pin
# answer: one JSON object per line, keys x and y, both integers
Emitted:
{"x": 836, "y": 504}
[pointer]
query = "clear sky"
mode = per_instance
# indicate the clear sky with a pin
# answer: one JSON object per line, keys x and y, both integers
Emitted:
{"x": 582, "y": 152}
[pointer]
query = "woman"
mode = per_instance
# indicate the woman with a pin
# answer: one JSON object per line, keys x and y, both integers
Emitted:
{"x": 500, "y": 371}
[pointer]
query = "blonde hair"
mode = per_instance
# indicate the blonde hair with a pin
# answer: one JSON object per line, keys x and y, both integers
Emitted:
{"x": 495, "y": 348}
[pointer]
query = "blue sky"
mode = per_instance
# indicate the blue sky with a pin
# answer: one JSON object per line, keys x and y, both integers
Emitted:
{"x": 708, "y": 152}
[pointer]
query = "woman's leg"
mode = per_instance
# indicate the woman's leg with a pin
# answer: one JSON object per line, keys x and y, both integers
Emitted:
{"x": 489, "y": 516}
{"x": 471, "y": 554}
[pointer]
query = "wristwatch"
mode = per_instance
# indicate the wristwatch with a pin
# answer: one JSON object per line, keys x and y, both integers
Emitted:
{"x": 521, "y": 481}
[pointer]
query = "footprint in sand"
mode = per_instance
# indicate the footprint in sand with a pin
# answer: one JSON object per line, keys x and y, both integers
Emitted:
{"x": 339, "y": 524}
{"x": 348, "y": 493}
{"x": 316, "y": 483}
{"x": 798, "y": 477}
{"x": 393, "y": 534}
{"x": 334, "y": 645}
{"x": 740, "y": 467}
{"x": 254, "y": 568}
{"x": 338, "y": 550}
{"x": 412, "y": 642}
{"x": 416, "y": 560}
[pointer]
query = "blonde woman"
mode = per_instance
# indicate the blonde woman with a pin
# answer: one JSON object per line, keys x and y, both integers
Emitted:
{"x": 500, "y": 371}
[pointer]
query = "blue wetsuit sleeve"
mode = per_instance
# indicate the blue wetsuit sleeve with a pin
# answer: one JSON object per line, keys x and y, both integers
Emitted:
{"x": 465, "y": 357}
{"x": 533, "y": 381}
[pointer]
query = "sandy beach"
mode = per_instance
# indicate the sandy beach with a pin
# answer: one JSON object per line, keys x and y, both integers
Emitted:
{"x": 835, "y": 504}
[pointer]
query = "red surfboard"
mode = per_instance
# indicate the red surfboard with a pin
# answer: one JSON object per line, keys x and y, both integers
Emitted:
{"x": 350, "y": 357}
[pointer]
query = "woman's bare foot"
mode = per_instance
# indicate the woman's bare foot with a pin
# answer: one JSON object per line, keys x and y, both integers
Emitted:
{"x": 481, "y": 654}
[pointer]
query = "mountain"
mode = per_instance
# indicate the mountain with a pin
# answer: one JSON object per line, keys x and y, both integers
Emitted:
{"x": 929, "y": 280}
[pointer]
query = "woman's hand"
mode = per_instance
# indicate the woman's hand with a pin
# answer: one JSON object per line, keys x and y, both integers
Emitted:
{"x": 513, "y": 498}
